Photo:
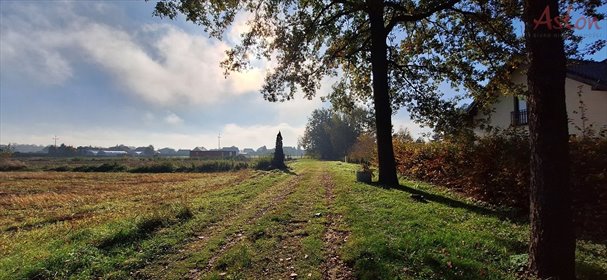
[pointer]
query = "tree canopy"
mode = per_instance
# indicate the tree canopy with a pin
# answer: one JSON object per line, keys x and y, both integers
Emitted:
{"x": 428, "y": 42}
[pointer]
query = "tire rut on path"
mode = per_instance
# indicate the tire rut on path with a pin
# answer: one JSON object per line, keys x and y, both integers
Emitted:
{"x": 285, "y": 260}
{"x": 334, "y": 238}
{"x": 286, "y": 189}
{"x": 200, "y": 239}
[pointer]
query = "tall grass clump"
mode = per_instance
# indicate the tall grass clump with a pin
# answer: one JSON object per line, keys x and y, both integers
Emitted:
{"x": 212, "y": 166}
{"x": 264, "y": 163}
{"x": 208, "y": 166}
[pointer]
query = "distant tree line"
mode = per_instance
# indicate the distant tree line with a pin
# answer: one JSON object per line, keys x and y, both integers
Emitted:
{"x": 63, "y": 150}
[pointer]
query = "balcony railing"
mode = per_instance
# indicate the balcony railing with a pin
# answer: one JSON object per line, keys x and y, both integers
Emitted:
{"x": 519, "y": 118}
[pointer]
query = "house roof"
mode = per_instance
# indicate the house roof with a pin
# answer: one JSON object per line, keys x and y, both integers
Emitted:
{"x": 593, "y": 73}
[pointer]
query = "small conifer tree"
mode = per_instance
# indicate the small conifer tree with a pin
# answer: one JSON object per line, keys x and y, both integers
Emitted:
{"x": 279, "y": 156}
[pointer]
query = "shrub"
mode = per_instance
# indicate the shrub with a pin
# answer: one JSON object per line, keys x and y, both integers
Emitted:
{"x": 83, "y": 168}
{"x": 165, "y": 167}
{"x": 589, "y": 173}
{"x": 106, "y": 167}
{"x": 62, "y": 168}
{"x": 364, "y": 148}
{"x": 113, "y": 167}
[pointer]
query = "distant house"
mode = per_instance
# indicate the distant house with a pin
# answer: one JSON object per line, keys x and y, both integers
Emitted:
{"x": 585, "y": 93}
{"x": 183, "y": 152}
{"x": 144, "y": 151}
{"x": 167, "y": 152}
{"x": 197, "y": 152}
{"x": 233, "y": 148}
{"x": 201, "y": 152}
{"x": 215, "y": 154}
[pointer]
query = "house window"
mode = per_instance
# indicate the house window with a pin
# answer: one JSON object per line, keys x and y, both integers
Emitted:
{"x": 522, "y": 103}
{"x": 519, "y": 116}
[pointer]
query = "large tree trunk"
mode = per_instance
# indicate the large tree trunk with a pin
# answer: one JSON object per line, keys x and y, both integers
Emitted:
{"x": 552, "y": 244}
{"x": 381, "y": 98}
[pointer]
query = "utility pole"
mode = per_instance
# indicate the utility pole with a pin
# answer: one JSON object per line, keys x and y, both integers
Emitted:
{"x": 55, "y": 138}
{"x": 219, "y": 141}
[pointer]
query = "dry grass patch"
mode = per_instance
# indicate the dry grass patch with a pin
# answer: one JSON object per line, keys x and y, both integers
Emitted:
{"x": 56, "y": 225}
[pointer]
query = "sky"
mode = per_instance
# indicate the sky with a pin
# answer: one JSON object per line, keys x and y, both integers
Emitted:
{"x": 104, "y": 73}
{"x": 107, "y": 73}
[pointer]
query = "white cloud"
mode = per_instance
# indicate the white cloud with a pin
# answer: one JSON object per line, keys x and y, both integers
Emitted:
{"x": 158, "y": 63}
{"x": 19, "y": 53}
{"x": 187, "y": 70}
{"x": 173, "y": 119}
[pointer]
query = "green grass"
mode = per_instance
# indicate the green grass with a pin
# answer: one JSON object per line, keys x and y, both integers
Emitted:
{"x": 395, "y": 236}
{"x": 253, "y": 225}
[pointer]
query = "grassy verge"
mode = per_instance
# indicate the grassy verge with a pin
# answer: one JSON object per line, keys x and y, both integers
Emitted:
{"x": 395, "y": 236}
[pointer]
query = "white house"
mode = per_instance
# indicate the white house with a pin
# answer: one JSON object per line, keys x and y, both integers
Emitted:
{"x": 586, "y": 98}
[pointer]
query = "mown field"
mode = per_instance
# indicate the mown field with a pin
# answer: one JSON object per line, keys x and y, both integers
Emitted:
{"x": 313, "y": 222}
{"x": 129, "y": 164}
